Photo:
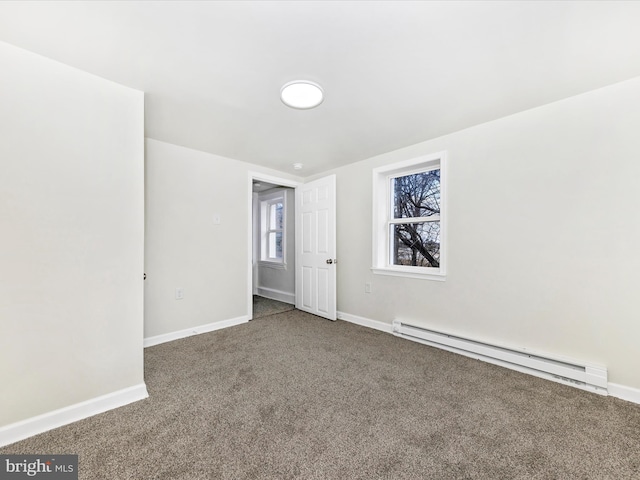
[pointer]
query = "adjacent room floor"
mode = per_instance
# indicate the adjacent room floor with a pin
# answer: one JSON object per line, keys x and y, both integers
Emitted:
{"x": 263, "y": 307}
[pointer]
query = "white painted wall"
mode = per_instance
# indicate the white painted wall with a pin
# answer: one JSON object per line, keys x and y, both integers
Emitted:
{"x": 544, "y": 233}
{"x": 183, "y": 246}
{"x": 71, "y": 242}
{"x": 278, "y": 283}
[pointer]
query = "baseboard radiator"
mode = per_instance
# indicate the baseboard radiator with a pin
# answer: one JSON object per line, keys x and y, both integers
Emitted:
{"x": 577, "y": 374}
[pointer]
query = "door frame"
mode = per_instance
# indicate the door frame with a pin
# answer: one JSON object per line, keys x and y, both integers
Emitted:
{"x": 261, "y": 177}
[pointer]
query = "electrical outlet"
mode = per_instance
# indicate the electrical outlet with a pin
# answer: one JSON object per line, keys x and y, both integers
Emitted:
{"x": 217, "y": 219}
{"x": 179, "y": 293}
{"x": 367, "y": 287}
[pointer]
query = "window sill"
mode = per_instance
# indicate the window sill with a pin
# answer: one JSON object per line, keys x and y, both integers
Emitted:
{"x": 399, "y": 272}
{"x": 277, "y": 265}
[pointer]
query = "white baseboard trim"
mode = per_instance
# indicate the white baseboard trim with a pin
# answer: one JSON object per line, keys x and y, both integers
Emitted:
{"x": 278, "y": 295}
{"x": 48, "y": 421}
{"x": 366, "y": 322}
{"x": 188, "y": 332}
{"x": 623, "y": 392}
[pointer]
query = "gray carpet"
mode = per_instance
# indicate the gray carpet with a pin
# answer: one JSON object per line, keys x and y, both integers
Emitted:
{"x": 263, "y": 307}
{"x": 296, "y": 396}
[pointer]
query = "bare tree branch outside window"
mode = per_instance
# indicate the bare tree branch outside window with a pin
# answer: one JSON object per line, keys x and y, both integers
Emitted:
{"x": 416, "y": 197}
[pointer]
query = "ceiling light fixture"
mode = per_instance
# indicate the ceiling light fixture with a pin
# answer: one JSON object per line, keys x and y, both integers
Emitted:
{"x": 301, "y": 94}
{"x": 297, "y": 166}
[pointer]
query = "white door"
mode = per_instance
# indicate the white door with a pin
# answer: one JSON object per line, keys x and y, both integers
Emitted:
{"x": 316, "y": 247}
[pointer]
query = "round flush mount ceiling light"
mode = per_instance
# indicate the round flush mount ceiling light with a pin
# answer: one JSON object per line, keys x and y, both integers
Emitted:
{"x": 302, "y": 94}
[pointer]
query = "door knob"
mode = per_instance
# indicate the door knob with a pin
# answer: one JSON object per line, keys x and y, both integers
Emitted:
{"x": 329, "y": 261}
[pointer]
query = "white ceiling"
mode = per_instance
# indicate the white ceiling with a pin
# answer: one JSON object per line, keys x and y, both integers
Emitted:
{"x": 394, "y": 73}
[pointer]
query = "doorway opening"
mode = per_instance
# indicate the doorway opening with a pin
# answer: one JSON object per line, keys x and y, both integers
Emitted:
{"x": 272, "y": 280}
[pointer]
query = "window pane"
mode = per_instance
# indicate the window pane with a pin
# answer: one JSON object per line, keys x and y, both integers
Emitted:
{"x": 416, "y": 195}
{"x": 276, "y": 219}
{"x": 279, "y": 216}
{"x": 416, "y": 244}
{"x": 275, "y": 245}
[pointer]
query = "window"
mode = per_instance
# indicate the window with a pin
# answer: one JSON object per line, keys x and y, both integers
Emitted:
{"x": 272, "y": 218}
{"x": 408, "y": 218}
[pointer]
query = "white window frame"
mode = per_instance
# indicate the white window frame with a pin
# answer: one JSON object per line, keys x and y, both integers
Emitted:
{"x": 265, "y": 201}
{"x": 383, "y": 217}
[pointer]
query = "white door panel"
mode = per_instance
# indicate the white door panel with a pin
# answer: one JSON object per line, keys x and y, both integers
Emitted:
{"x": 315, "y": 246}
{"x": 306, "y": 303}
